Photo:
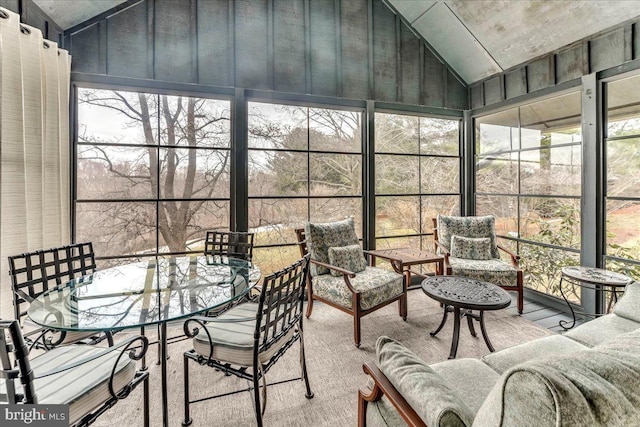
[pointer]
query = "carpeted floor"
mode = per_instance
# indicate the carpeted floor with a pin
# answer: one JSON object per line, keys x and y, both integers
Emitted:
{"x": 334, "y": 363}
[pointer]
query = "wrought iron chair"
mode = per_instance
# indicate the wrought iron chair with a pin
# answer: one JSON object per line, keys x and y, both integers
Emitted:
{"x": 248, "y": 340}
{"x": 87, "y": 378}
{"x": 352, "y": 287}
{"x": 469, "y": 247}
{"x": 34, "y": 273}
{"x": 234, "y": 244}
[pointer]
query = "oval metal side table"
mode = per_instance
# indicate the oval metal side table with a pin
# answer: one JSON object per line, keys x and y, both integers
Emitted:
{"x": 592, "y": 278}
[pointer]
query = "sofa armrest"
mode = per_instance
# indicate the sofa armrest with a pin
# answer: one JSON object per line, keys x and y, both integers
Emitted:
{"x": 424, "y": 390}
{"x": 383, "y": 387}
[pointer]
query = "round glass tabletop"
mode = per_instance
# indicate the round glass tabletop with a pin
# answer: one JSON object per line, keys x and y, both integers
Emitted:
{"x": 144, "y": 293}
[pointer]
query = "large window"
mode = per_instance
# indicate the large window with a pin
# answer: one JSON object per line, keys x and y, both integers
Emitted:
{"x": 528, "y": 174}
{"x": 417, "y": 177}
{"x": 305, "y": 164}
{"x": 622, "y": 136}
{"x": 152, "y": 172}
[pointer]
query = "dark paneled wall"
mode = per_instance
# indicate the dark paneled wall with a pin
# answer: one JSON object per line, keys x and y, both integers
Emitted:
{"x": 600, "y": 52}
{"x": 340, "y": 48}
{"x": 31, "y": 14}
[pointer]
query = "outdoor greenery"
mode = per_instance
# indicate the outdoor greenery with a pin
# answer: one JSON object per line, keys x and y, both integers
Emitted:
{"x": 153, "y": 173}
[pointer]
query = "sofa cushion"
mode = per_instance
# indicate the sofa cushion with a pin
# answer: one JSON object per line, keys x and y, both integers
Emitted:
{"x": 502, "y": 360}
{"x": 601, "y": 329}
{"x": 595, "y": 387}
{"x": 348, "y": 257}
{"x": 377, "y": 285}
{"x": 320, "y": 237}
{"x": 426, "y": 391}
{"x": 470, "y": 379}
{"x": 467, "y": 226}
{"x": 628, "y": 306}
{"x": 471, "y": 247}
{"x": 382, "y": 413}
{"x": 493, "y": 271}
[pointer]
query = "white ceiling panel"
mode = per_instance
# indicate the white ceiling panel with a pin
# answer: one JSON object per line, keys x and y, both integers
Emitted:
{"x": 478, "y": 38}
{"x": 517, "y": 31}
{"x": 412, "y": 9}
{"x": 455, "y": 44}
{"x": 69, "y": 13}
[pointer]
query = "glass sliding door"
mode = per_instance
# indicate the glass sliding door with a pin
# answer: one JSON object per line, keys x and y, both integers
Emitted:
{"x": 622, "y": 147}
{"x": 528, "y": 175}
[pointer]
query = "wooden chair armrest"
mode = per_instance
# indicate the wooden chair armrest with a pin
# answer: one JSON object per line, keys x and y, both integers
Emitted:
{"x": 334, "y": 268}
{"x": 382, "y": 386}
{"x": 395, "y": 262}
{"x": 445, "y": 254}
{"x": 442, "y": 248}
{"x": 346, "y": 274}
{"x": 515, "y": 259}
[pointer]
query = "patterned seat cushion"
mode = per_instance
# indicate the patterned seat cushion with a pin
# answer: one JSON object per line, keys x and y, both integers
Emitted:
{"x": 321, "y": 237}
{"x": 467, "y": 226}
{"x": 493, "y": 271}
{"x": 376, "y": 284}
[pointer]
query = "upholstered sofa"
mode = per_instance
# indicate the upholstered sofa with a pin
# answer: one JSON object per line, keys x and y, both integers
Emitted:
{"x": 588, "y": 376}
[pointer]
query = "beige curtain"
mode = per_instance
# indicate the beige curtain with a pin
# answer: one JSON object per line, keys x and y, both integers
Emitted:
{"x": 34, "y": 145}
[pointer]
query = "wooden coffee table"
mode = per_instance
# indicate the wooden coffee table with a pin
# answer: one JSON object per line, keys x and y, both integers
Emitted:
{"x": 406, "y": 258}
{"x": 462, "y": 295}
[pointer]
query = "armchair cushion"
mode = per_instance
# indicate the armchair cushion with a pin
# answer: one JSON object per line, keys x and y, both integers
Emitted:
{"x": 469, "y": 226}
{"x": 320, "y": 237}
{"x": 594, "y": 387}
{"x": 425, "y": 390}
{"x": 493, "y": 271}
{"x": 348, "y": 257}
{"x": 377, "y": 285}
{"x": 471, "y": 247}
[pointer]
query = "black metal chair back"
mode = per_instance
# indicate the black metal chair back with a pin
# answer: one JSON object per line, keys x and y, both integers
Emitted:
{"x": 280, "y": 305}
{"x": 14, "y": 351}
{"x": 234, "y": 244}
{"x": 34, "y": 273}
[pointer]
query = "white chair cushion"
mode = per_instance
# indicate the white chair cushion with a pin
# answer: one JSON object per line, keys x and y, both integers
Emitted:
{"x": 83, "y": 388}
{"x": 233, "y": 341}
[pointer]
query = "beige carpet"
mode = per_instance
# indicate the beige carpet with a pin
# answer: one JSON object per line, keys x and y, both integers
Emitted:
{"x": 334, "y": 364}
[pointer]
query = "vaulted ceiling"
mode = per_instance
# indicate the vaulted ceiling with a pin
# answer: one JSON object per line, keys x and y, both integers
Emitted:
{"x": 481, "y": 38}
{"x": 477, "y": 38}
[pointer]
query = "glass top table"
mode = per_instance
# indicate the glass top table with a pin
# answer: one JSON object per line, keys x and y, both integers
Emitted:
{"x": 145, "y": 293}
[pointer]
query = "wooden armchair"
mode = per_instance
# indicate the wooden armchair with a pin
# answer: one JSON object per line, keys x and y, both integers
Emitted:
{"x": 469, "y": 247}
{"x": 355, "y": 293}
